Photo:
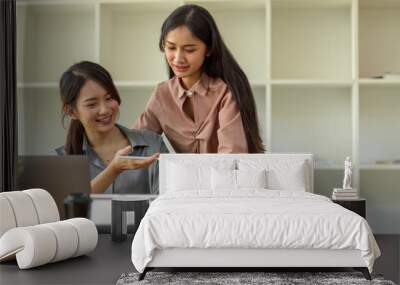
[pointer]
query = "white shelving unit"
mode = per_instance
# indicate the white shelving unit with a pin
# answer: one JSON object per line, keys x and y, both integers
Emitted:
{"x": 310, "y": 64}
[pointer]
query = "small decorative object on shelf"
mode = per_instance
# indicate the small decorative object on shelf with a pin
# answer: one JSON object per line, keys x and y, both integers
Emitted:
{"x": 388, "y": 75}
{"x": 347, "y": 192}
{"x": 348, "y": 171}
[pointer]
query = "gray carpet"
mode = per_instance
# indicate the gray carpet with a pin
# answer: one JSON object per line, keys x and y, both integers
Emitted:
{"x": 243, "y": 278}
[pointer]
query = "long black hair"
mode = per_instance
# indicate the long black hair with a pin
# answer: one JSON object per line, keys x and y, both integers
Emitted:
{"x": 71, "y": 83}
{"x": 219, "y": 64}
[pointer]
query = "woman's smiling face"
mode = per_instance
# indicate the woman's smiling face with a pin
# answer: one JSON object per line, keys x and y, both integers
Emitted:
{"x": 185, "y": 53}
{"x": 95, "y": 108}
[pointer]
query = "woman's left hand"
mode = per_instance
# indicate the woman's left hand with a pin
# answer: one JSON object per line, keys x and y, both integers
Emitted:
{"x": 120, "y": 164}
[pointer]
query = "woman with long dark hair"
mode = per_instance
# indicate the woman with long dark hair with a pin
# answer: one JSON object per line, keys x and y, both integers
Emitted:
{"x": 90, "y": 99}
{"x": 207, "y": 105}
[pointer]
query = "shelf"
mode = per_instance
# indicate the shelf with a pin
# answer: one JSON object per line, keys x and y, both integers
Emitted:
{"x": 379, "y": 82}
{"x": 302, "y": 49}
{"x": 324, "y": 166}
{"x": 379, "y": 4}
{"x": 44, "y": 85}
{"x": 379, "y": 40}
{"x": 311, "y": 3}
{"x": 129, "y": 34}
{"x": 153, "y": 84}
{"x": 313, "y": 119}
{"x": 310, "y": 83}
{"x": 362, "y": 167}
{"x": 231, "y": 5}
{"x": 257, "y": 84}
{"x": 328, "y": 167}
{"x": 136, "y": 84}
{"x": 380, "y": 167}
{"x": 21, "y": 3}
{"x": 379, "y": 128}
{"x": 42, "y": 53}
{"x": 37, "y": 85}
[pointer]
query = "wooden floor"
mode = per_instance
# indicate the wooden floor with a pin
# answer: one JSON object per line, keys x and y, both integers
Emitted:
{"x": 110, "y": 260}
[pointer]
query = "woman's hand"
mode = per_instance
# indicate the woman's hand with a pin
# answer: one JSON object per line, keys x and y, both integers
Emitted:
{"x": 119, "y": 164}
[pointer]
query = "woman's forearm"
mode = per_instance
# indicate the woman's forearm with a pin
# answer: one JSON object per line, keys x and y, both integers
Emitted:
{"x": 101, "y": 182}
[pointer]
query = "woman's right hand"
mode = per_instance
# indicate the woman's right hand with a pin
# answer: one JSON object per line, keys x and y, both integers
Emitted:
{"x": 120, "y": 164}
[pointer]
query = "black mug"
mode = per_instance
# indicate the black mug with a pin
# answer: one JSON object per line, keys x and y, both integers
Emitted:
{"x": 77, "y": 205}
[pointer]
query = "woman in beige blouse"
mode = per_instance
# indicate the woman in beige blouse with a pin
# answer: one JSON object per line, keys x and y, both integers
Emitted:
{"x": 207, "y": 105}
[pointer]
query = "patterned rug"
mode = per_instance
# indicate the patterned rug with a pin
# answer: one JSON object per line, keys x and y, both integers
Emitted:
{"x": 244, "y": 278}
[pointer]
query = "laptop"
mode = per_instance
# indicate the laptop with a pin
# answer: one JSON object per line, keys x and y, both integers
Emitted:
{"x": 59, "y": 175}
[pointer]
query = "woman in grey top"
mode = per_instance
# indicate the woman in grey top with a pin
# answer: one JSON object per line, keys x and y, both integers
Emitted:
{"x": 91, "y": 100}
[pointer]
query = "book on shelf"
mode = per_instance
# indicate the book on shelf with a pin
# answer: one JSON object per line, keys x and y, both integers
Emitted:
{"x": 345, "y": 197}
{"x": 392, "y": 75}
{"x": 344, "y": 194}
{"x": 341, "y": 190}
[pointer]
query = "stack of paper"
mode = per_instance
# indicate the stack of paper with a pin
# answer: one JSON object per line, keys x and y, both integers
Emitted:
{"x": 388, "y": 75}
{"x": 344, "y": 194}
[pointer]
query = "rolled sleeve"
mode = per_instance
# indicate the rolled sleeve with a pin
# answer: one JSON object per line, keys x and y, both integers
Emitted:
{"x": 148, "y": 119}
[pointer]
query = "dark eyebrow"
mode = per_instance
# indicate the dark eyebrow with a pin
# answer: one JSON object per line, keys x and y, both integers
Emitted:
{"x": 93, "y": 99}
{"x": 89, "y": 100}
{"x": 188, "y": 45}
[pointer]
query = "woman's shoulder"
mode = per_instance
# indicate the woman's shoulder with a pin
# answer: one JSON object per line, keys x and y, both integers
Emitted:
{"x": 147, "y": 135}
{"x": 142, "y": 136}
{"x": 164, "y": 86}
{"x": 161, "y": 93}
{"x": 152, "y": 140}
{"x": 217, "y": 84}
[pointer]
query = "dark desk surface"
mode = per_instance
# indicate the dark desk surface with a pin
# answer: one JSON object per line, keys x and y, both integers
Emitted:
{"x": 102, "y": 266}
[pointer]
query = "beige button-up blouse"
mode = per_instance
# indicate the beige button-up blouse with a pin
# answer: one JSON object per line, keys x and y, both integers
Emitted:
{"x": 217, "y": 125}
